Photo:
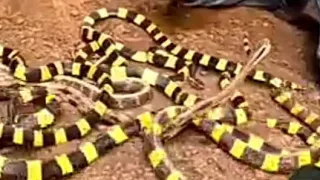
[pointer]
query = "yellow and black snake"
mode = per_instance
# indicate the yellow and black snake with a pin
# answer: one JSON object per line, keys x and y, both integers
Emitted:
{"x": 176, "y": 57}
{"x": 113, "y": 67}
{"x": 47, "y": 104}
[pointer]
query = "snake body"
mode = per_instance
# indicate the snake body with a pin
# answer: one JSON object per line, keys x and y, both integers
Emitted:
{"x": 309, "y": 133}
{"x": 112, "y": 68}
{"x": 181, "y": 56}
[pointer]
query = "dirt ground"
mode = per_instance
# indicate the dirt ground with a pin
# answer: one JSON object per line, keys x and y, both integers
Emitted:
{"x": 48, "y": 30}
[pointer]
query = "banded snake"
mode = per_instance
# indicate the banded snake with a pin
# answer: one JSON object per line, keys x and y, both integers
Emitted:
{"x": 241, "y": 145}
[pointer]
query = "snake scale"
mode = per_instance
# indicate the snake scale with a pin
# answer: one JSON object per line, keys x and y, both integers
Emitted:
{"x": 112, "y": 67}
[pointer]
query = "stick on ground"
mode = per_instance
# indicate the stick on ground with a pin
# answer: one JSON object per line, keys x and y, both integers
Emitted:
{"x": 223, "y": 95}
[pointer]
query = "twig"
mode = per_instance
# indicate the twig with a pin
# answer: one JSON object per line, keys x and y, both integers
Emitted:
{"x": 223, "y": 95}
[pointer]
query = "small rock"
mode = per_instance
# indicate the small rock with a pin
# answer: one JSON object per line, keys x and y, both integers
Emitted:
{"x": 147, "y": 169}
{"x": 179, "y": 37}
{"x": 48, "y": 44}
{"x": 107, "y": 168}
{"x": 187, "y": 154}
{"x": 198, "y": 33}
{"x": 205, "y": 178}
{"x": 114, "y": 178}
{"x": 149, "y": 174}
{"x": 203, "y": 72}
{"x": 139, "y": 171}
{"x": 235, "y": 21}
{"x": 184, "y": 41}
{"x": 126, "y": 176}
{"x": 20, "y": 21}
{"x": 260, "y": 174}
{"x": 133, "y": 174}
{"x": 194, "y": 151}
{"x": 118, "y": 166}
{"x": 223, "y": 32}
{"x": 74, "y": 13}
{"x": 210, "y": 161}
{"x": 265, "y": 24}
{"x": 38, "y": 55}
{"x": 299, "y": 50}
{"x": 198, "y": 170}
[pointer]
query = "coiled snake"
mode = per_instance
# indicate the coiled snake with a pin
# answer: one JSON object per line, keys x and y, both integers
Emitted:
{"x": 113, "y": 67}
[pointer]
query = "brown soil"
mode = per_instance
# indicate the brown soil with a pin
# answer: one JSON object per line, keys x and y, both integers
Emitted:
{"x": 48, "y": 30}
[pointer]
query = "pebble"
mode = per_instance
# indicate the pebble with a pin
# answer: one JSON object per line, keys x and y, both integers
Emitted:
{"x": 235, "y": 21}
{"x": 260, "y": 174}
{"x": 107, "y": 168}
{"x": 126, "y": 176}
{"x": 265, "y": 24}
{"x": 203, "y": 72}
{"x": 114, "y": 178}
{"x": 48, "y": 44}
{"x": 179, "y": 37}
{"x": 149, "y": 174}
{"x": 38, "y": 55}
{"x": 118, "y": 166}
{"x": 199, "y": 33}
{"x": 133, "y": 174}
{"x": 194, "y": 152}
{"x": 299, "y": 50}
{"x": 74, "y": 13}
{"x": 148, "y": 169}
{"x": 205, "y": 178}
{"x": 139, "y": 172}
{"x": 223, "y": 32}
{"x": 198, "y": 170}
{"x": 210, "y": 161}
{"x": 187, "y": 154}
{"x": 184, "y": 41}
{"x": 20, "y": 21}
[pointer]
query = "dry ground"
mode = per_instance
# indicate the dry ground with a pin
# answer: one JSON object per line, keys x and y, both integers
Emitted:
{"x": 48, "y": 30}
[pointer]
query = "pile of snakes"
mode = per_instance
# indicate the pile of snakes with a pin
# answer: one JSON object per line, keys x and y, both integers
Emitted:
{"x": 102, "y": 80}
